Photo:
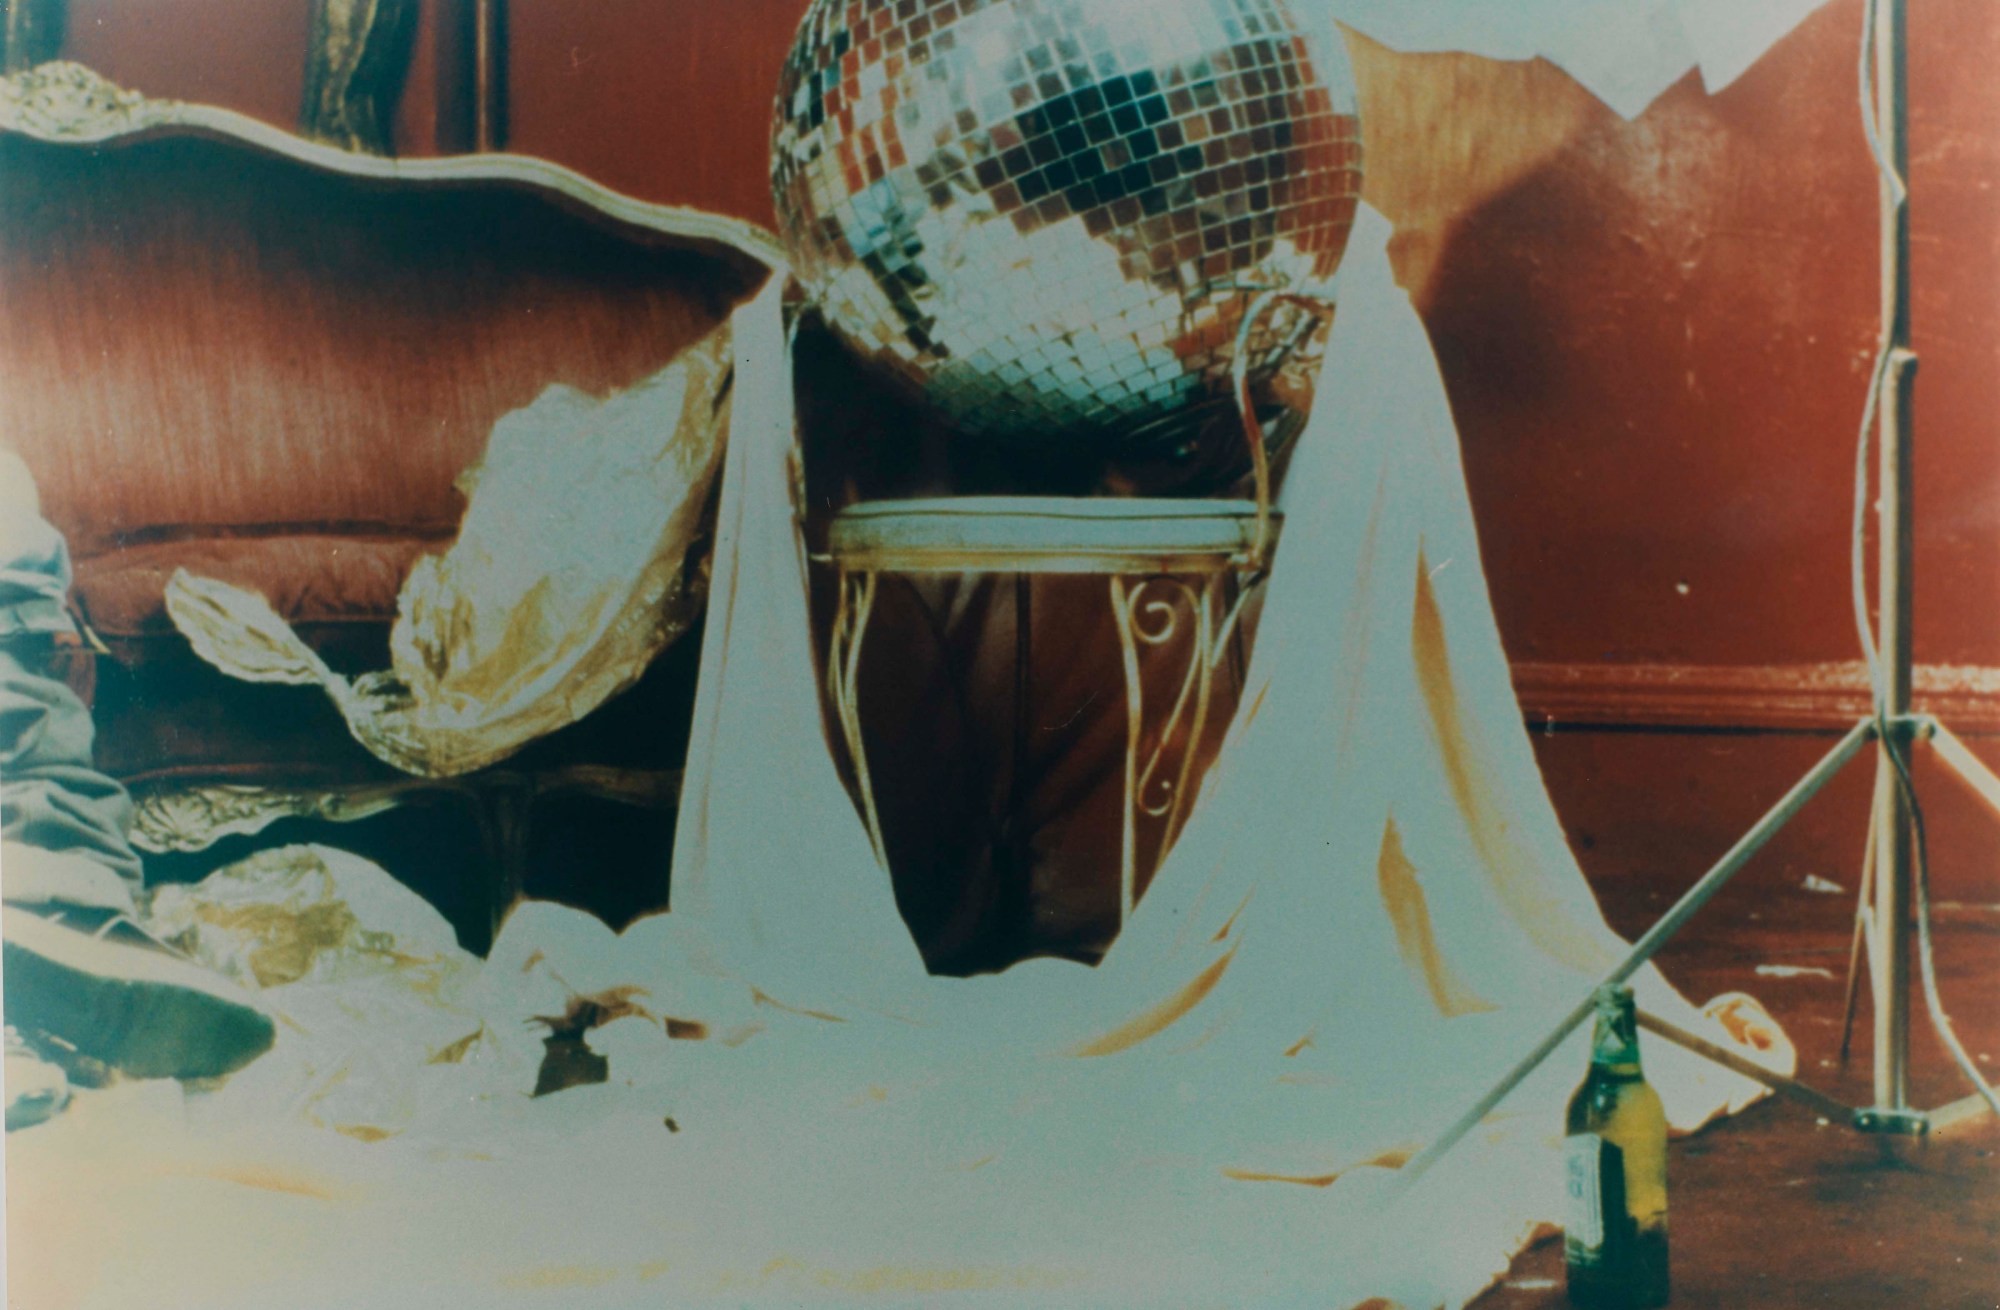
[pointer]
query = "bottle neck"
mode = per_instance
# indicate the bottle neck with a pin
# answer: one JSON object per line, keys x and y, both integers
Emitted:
{"x": 1615, "y": 1045}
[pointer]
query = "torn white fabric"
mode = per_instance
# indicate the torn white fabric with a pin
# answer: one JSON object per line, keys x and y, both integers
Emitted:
{"x": 1626, "y": 52}
{"x": 569, "y": 574}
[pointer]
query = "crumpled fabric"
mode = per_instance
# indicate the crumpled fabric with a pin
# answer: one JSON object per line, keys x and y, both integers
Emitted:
{"x": 375, "y": 1000}
{"x": 34, "y": 558}
{"x": 63, "y": 822}
{"x": 386, "y": 1026}
{"x": 569, "y": 575}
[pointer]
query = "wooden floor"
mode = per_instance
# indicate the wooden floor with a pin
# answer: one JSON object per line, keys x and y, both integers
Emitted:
{"x": 1774, "y": 1210}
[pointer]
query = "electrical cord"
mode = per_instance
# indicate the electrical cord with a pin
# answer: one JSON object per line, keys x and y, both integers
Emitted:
{"x": 1898, "y": 191}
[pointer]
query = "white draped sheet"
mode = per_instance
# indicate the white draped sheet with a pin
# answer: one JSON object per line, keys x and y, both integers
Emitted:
{"x": 1377, "y": 698}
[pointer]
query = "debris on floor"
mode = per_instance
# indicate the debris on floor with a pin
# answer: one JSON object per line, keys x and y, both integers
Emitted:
{"x": 1793, "y": 971}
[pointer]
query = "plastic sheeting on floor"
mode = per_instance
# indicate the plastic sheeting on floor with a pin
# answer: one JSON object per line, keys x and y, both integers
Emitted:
{"x": 1370, "y": 914}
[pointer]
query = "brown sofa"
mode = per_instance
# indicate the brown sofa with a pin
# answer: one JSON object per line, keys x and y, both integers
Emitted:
{"x": 228, "y": 350}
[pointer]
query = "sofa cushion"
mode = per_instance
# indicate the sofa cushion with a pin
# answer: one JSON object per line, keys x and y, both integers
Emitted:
{"x": 173, "y": 719}
{"x": 319, "y": 583}
{"x": 164, "y": 715}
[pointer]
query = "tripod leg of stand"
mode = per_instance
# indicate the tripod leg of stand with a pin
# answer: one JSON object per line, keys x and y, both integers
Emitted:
{"x": 1969, "y": 767}
{"x": 1649, "y": 945}
{"x": 1965, "y": 1110}
{"x": 1860, "y": 932}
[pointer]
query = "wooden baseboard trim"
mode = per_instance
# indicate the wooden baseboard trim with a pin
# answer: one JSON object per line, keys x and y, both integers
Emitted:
{"x": 1776, "y": 697}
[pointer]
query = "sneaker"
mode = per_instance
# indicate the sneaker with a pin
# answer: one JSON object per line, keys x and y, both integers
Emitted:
{"x": 95, "y": 983}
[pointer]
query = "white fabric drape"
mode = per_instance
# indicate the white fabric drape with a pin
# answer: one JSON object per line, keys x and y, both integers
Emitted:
{"x": 1371, "y": 910}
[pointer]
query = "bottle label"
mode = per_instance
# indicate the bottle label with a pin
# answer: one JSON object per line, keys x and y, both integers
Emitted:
{"x": 1584, "y": 1226}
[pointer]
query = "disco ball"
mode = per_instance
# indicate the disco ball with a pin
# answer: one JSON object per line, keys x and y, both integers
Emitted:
{"x": 1045, "y": 218}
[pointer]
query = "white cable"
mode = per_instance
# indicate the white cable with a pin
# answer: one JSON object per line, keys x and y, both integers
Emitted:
{"x": 1870, "y": 125}
{"x": 1870, "y": 655}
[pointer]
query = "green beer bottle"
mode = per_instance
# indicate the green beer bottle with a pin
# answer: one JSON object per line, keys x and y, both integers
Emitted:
{"x": 1615, "y": 1237}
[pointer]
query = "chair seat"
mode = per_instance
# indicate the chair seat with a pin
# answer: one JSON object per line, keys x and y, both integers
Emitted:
{"x": 1044, "y": 534}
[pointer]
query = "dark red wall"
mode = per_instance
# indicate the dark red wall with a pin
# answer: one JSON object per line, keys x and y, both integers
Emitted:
{"x": 249, "y": 57}
{"x": 1658, "y": 344}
